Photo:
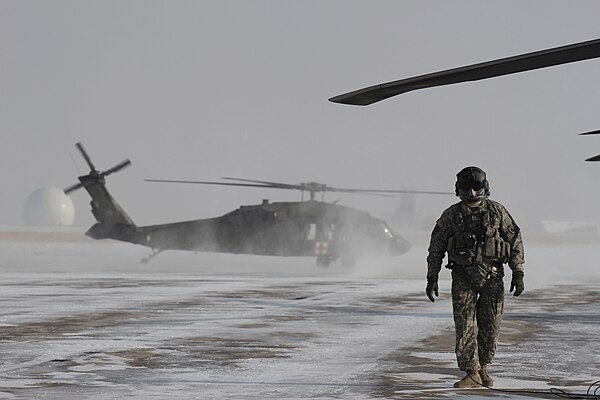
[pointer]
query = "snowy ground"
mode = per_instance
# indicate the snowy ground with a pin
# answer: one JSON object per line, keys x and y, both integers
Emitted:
{"x": 87, "y": 320}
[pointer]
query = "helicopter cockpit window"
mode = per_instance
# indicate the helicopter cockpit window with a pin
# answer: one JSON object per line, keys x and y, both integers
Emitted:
{"x": 319, "y": 232}
{"x": 311, "y": 231}
{"x": 387, "y": 230}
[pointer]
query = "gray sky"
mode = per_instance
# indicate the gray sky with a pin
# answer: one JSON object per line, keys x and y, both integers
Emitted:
{"x": 204, "y": 89}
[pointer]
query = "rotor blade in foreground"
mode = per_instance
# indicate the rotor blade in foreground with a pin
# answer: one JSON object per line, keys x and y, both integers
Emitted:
{"x": 595, "y": 158}
{"x": 505, "y": 66}
{"x": 590, "y": 133}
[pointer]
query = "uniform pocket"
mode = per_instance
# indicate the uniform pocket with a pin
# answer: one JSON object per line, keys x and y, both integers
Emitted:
{"x": 491, "y": 247}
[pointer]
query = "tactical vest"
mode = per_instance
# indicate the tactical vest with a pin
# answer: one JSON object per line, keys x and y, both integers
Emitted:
{"x": 476, "y": 238}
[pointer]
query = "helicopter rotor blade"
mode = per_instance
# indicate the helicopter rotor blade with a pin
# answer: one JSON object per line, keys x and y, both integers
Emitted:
{"x": 213, "y": 183}
{"x": 275, "y": 185}
{"x": 311, "y": 187}
{"x": 308, "y": 187}
{"x": 85, "y": 155}
{"x": 319, "y": 187}
{"x": 117, "y": 167}
{"x": 590, "y": 133}
{"x": 72, "y": 188}
{"x": 504, "y": 66}
{"x": 367, "y": 191}
{"x": 253, "y": 183}
{"x": 373, "y": 194}
{"x": 595, "y": 158}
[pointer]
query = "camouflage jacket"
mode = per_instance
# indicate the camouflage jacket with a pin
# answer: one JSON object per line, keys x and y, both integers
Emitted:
{"x": 490, "y": 225}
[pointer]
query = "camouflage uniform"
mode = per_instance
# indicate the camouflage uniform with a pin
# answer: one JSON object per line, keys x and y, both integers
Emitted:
{"x": 478, "y": 241}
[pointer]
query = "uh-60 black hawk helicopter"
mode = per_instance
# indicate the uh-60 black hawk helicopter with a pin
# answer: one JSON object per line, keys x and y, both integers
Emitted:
{"x": 312, "y": 228}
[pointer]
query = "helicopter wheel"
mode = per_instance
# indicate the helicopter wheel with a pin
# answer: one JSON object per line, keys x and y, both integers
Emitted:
{"x": 323, "y": 261}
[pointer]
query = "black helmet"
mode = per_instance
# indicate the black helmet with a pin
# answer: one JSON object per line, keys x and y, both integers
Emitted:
{"x": 471, "y": 178}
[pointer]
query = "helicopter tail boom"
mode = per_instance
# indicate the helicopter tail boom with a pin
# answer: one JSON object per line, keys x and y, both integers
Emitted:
{"x": 113, "y": 221}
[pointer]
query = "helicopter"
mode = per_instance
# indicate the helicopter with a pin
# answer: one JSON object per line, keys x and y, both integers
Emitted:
{"x": 311, "y": 228}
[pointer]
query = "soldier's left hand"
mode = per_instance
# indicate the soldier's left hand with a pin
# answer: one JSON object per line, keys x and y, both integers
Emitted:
{"x": 432, "y": 288}
{"x": 517, "y": 283}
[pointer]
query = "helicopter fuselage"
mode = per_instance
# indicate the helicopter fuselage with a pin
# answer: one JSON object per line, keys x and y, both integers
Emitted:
{"x": 310, "y": 228}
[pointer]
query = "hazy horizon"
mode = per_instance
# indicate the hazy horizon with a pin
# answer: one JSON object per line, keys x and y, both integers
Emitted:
{"x": 201, "y": 90}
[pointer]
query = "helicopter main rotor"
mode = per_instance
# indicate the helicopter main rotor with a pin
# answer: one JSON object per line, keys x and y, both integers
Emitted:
{"x": 311, "y": 187}
{"x": 505, "y": 66}
{"x": 595, "y": 158}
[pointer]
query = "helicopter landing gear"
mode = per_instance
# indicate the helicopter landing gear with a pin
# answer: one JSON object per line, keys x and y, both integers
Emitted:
{"x": 155, "y": 252}
{"x": 324, "y": 261}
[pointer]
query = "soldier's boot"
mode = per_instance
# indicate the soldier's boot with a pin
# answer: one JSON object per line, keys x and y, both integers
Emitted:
{"x": 486, "y": 379}
{"x": 472, "y": 380}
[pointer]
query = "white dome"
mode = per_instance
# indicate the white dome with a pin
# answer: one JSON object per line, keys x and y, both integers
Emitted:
{"x": 49, "y": 206}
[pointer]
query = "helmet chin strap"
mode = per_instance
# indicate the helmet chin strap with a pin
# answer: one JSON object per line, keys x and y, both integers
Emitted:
{"x": 473, "y": 203}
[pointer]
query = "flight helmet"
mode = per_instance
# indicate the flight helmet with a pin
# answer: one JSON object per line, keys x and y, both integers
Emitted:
{"x": 472, "y": 184}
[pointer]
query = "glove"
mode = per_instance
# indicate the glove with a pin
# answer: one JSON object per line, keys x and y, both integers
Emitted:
{"x": 432, "y": 287}
{"x": 516, "y": 283}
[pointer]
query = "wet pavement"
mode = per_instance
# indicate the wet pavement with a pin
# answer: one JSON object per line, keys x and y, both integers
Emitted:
{"x": 84, "y": 321}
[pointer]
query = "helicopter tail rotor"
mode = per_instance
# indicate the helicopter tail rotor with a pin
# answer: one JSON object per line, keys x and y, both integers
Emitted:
{"x": 112, "y": 221}
{"x": 94, "y": 176}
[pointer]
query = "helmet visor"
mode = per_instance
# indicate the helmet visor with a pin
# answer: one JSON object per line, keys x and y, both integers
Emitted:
{"x": 470, "y": 183}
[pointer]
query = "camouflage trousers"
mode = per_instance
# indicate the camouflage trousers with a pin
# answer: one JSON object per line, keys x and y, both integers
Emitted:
{"x": 477, "y": 316}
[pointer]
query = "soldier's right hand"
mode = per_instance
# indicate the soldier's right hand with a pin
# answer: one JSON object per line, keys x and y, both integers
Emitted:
{"x": 516, "y": 283}
{"x": 432, "y": 288}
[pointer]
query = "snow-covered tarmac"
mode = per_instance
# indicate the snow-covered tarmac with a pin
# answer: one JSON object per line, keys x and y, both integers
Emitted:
{"x": 87, "y": 320}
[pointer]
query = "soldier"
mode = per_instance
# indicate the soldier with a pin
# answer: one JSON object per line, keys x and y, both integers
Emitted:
{"x": 479, "y": 236}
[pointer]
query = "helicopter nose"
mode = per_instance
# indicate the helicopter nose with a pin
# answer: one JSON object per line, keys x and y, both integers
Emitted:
{"x": 400, "y": 246}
